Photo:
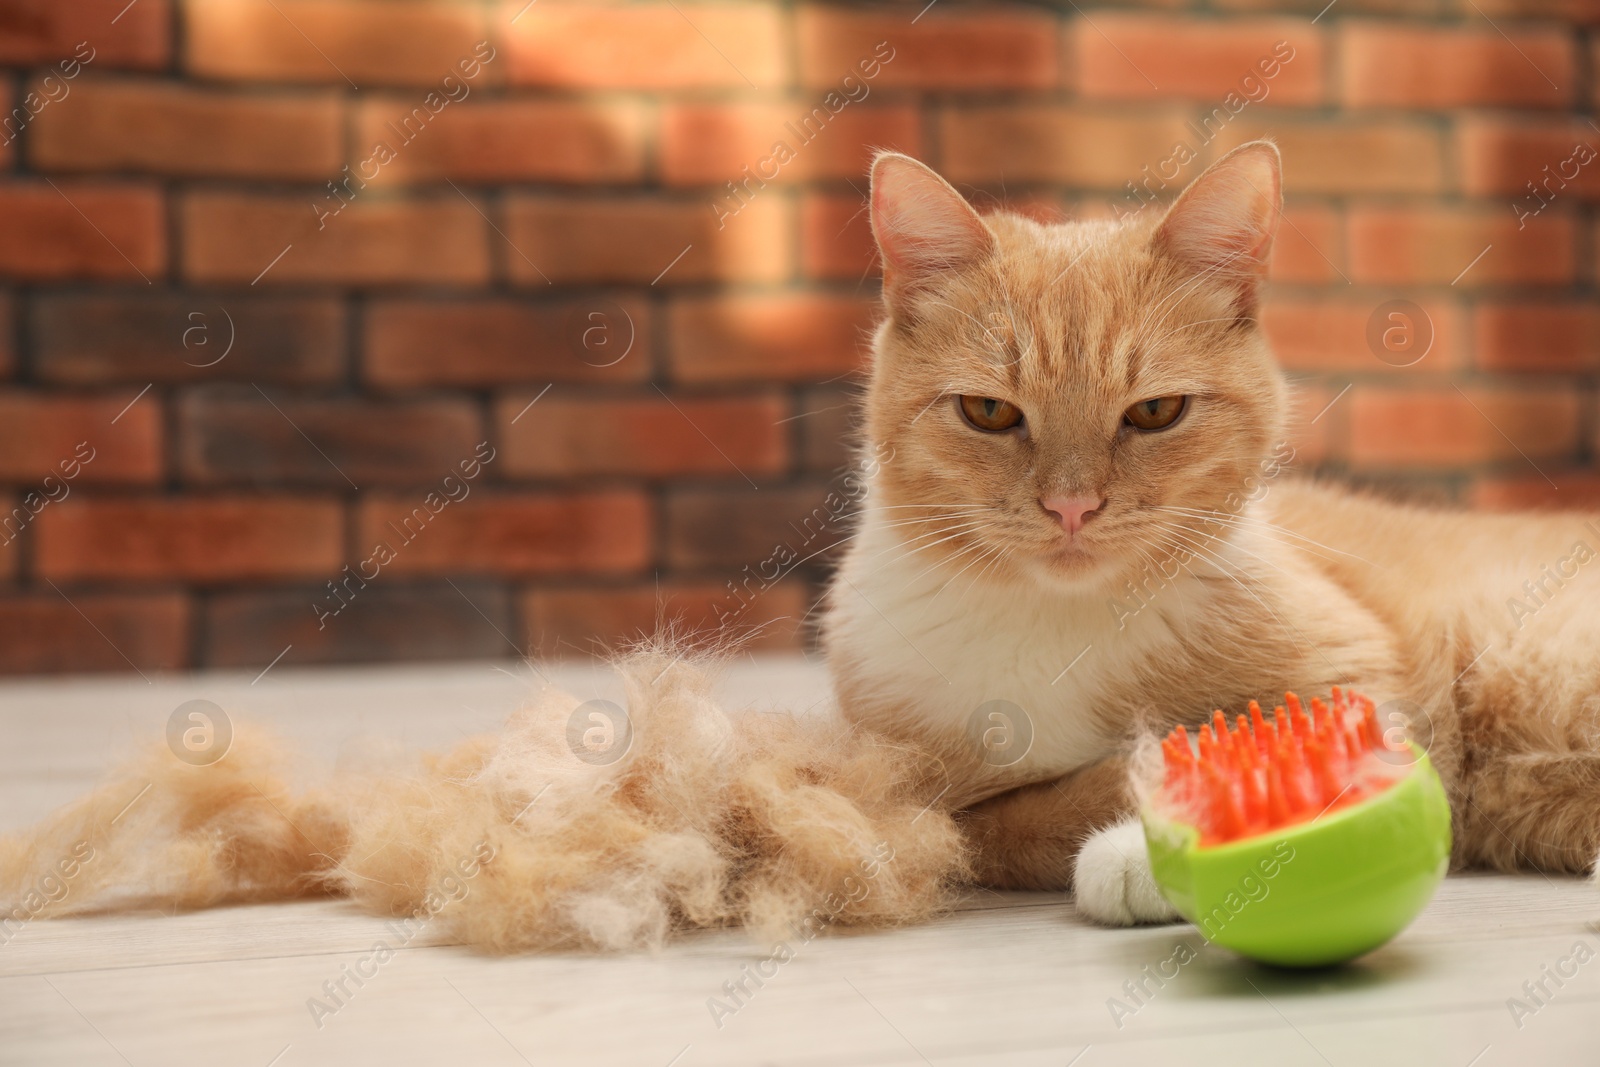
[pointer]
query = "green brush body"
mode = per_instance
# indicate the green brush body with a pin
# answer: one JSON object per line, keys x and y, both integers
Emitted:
{"x": 1302, "y": 842}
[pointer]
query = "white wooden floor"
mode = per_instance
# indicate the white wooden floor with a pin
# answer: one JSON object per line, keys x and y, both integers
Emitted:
{"x": 1013, "y": 979}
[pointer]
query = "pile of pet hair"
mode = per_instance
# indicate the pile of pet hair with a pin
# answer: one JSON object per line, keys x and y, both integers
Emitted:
{"x": 513, "y": 842}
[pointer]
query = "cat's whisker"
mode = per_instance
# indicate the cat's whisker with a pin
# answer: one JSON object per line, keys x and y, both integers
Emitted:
{"x": 952, "y": 558}
{"x": 924, "y": 520}
{"x": 1196, "y": 552}
{"x": 940, "y": 562}
{"x": 1191, "y": 543}
{"x": 1227, "y": 572}
{"x": 1203, "y": 322}
{"x": 994, "y": 561}
{"x": 1177, "y": 548}
{"x": 1000, "y": 558}
{"x": 896, "y": 507}
{"x": 1267, "y": 535}
{"x": 1306, "y": 641}
{"x": 1293, "y": 577}
{"x": 1145, "y": 547}
{"x": 1248, "y": 522}
{"x": 1224, "y": 517}
{"x": 847, "y": 538}
{"x": 967, "y": 529}
{"x": 980, "y": 557}
{"x": 938, "y": 522}
{"x": 1267, "y": 607}
{"x": 919, "y": 520}
{"x": 997, "y": 555}
{"x": 905, "y": 555}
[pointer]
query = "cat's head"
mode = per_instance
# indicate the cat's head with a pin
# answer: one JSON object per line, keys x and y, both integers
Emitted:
{"x": 1063, "y": 401}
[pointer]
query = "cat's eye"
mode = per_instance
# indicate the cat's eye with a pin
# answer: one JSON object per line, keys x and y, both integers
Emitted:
{"x": 1155, "y": 414}
{"x": 988, "y": 414}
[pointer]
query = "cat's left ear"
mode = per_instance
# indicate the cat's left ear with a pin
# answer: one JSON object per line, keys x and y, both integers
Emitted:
{"x": 1223, "y": 224}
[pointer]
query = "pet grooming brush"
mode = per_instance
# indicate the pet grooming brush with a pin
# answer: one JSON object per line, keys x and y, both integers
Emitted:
{"x": 1299, "y": 839}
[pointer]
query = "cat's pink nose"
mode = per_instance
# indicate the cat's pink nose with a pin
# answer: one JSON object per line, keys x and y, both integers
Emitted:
{"x": 1073, "y": 511}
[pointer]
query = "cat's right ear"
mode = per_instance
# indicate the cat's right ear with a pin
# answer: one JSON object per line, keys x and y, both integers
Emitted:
{"x": 922, "y": 225}
{"x": 1223, "y": 224}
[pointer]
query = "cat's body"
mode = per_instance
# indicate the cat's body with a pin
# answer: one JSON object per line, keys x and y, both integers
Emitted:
{"x": 979, "y": 587}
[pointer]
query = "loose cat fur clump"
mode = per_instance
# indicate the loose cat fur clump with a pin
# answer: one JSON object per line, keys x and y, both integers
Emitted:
{"x": 777, "y": 822}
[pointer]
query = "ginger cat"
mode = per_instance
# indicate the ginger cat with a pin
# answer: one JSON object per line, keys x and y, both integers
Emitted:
{"x": 1082, "y": 533}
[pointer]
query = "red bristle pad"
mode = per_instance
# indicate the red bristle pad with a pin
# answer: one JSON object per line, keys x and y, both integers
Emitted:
{"x": 1258, "y": 774}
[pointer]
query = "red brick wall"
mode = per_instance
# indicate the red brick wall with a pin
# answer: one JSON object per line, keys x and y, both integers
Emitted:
{"x": 164, "y": 200}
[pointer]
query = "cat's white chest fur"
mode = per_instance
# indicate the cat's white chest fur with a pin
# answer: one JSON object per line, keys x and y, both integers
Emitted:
{"x": 950, "y": 648}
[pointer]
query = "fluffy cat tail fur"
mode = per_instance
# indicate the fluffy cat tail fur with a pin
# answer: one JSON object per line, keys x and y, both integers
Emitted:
{"x": 785, "y": 824}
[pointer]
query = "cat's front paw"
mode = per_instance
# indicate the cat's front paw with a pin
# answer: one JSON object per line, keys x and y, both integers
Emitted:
{"x": 1112, "y": 879}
